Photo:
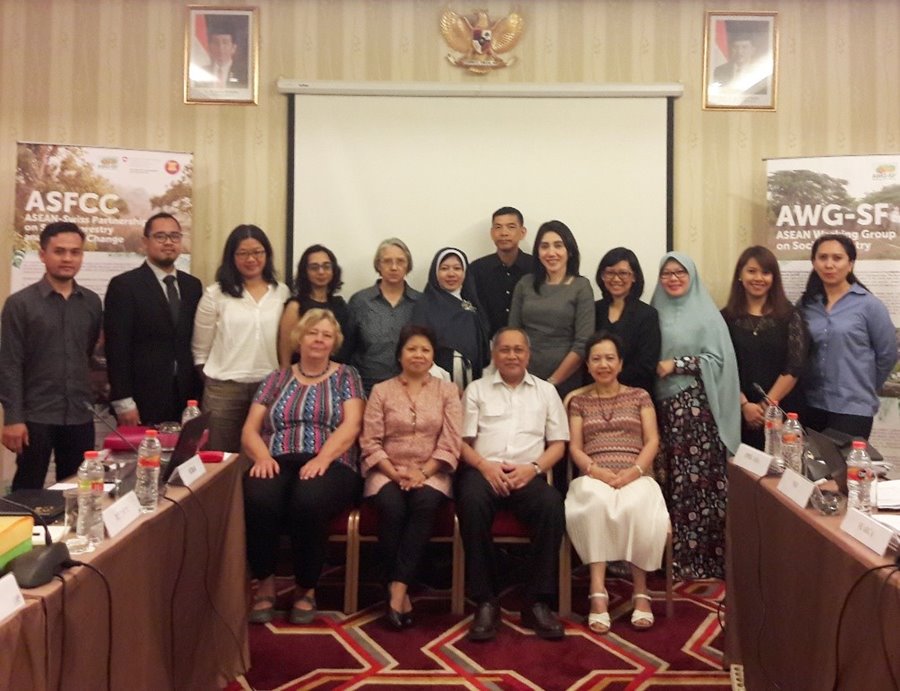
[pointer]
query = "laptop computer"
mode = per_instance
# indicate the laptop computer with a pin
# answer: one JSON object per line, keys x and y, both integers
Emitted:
{"x": 825, "y": 460}
{"x": 192, "y": 436}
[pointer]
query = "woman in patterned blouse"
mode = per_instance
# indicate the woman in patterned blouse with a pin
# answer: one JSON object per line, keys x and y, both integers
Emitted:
{"x": 301, "y": 435}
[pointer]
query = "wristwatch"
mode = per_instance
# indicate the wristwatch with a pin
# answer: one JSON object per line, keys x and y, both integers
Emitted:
{"x": 537, "y": 469}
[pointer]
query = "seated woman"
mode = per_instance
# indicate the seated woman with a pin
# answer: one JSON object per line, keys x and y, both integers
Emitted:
{"x": 301, "y": 435}
{"x": 410, "y": 444}
{"x": 615, "y": 510}
{"x": 449, "y": 306}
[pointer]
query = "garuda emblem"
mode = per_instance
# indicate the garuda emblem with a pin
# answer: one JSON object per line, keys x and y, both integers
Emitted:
{"x": 479, "y": 41}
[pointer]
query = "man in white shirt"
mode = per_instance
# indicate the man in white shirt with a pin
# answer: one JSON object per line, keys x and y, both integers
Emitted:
{"x": 514, "y": 431}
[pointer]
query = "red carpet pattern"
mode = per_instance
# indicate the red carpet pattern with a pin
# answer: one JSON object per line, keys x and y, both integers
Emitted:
{"x": 360, "y": 652}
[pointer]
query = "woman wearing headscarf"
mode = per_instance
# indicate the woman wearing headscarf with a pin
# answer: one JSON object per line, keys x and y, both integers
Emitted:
{"x": 449, "y": 307}
{"x": 698, "y": 394}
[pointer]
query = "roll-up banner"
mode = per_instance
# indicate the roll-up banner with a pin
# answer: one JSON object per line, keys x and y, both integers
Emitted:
{"x": 858, "y": 196}
{"x": 108, "y": 193}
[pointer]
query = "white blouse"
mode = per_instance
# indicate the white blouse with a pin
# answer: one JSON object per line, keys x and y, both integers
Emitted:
{"x": 236, "y": 339}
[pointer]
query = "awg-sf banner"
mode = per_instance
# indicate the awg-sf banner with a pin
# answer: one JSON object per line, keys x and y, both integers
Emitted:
{"x": 857, "y": 196}
{"x": 108, "y": 193}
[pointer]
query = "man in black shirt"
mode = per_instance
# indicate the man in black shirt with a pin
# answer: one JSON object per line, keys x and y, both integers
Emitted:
{"x": 49, "y": 330}
{"x": 497, "y": 274}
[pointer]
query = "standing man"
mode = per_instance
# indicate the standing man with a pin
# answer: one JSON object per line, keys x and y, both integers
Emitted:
{"x": 497, "y": 274}
{"x": 149, "y": 322}
{"x": 47, "y": 334}
{"x": 514, "y": 431}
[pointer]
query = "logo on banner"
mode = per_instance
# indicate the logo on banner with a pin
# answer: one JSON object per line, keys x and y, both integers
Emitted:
{"x": 886, "y": 171}
{"x": 172, "y": 167}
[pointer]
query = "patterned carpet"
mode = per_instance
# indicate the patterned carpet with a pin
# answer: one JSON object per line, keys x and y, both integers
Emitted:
{"x": 360, "y": 652}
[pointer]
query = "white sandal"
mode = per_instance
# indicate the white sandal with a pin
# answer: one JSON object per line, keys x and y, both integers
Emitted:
{"x": 641, "y": 620}
{"x": 599, "y": 622}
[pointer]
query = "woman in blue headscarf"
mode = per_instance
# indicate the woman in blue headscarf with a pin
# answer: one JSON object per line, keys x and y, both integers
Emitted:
{"x": 450, "y": 307}
{"x": 698, "y": 393}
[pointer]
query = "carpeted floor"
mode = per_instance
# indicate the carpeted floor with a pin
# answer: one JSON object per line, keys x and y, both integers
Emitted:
{"x": 359, "y": 651}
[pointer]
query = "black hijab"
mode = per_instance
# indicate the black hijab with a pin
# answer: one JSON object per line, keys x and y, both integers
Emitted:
{"x": 459, "y": 322}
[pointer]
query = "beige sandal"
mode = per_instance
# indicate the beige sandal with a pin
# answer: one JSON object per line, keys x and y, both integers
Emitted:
{"x": 599, "y": 622}
{"x": 641, "y": 620}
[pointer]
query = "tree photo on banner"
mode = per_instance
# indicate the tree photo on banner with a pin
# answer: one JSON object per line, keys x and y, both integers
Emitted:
{"x": 857, "y": 196}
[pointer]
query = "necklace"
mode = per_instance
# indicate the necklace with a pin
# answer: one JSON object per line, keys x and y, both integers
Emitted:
{"x": 313, "y": 376}
{"x": 607, "y": 415}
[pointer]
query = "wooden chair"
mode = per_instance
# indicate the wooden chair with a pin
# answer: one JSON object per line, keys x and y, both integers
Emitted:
{"x": 362, "y": 526}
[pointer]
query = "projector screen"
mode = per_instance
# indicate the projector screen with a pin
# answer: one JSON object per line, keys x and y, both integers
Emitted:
{"x": 430, "y": 163}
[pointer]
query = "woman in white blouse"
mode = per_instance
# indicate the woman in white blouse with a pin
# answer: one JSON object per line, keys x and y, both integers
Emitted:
{"x": 235, "y": 340}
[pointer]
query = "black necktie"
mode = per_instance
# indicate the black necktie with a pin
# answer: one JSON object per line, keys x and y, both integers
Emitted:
{"x": 172, "y": 295}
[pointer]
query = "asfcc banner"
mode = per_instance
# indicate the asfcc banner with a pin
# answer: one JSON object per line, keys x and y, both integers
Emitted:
{"x": 109, "y": 193}
{"x": 858, "y": 196}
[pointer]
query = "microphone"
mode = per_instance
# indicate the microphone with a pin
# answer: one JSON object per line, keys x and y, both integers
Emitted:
{"x": 37, "y": 517}
{"x": 99, "y": 418}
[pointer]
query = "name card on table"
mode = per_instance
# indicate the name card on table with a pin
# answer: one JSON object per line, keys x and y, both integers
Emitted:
{"x": 11, "y": 599}
{"x": 121, "y": 514}
{"x": 796, "y": 487}
{"x": 752, "y": 460}
{"x": 867, "y": 530}
{"x": 189, "y": 471}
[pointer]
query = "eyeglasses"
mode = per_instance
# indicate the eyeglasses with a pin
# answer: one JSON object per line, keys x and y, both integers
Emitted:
{"x": 393, "y": 262}
{"x": 324, "y": 266}
{"x": 677, "y": 274}
{"x": 161, "y": 238}
{"x": 248, "y": 254}
{"x": 624, "y": 275}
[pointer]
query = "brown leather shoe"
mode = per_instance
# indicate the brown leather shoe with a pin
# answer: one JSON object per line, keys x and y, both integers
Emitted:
{"x": 544, "y": 621}
{"x": 484, "y": 623}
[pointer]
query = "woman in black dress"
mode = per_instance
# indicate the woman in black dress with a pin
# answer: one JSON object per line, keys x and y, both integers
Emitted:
{"x": 770, "y": 340}
{"x": 317, "y": 280}
{"x": 622, "y": 312}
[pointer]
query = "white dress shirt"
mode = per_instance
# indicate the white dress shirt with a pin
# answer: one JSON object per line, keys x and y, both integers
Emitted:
{"x": 235, "y": 339}
{"x": 513, "y": 424}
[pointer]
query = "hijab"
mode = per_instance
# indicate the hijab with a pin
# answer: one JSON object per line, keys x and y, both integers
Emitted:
{"x": 457, "y": 318}
{"x": 692, "y": 325}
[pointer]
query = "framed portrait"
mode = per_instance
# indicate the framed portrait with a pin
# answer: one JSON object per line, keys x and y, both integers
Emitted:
{"x": 740, "y": 61}
{"x": 221, "y": 54}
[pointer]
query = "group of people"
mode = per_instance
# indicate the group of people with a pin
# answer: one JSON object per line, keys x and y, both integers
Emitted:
{"x": 472, "y": 389}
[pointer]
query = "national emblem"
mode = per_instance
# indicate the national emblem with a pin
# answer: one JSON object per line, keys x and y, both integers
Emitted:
{"x": 479, "y": 41}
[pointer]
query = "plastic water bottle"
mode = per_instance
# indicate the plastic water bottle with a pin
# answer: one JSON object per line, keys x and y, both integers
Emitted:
{"x": 860, "y": 477}
{"x": 792, "y": 443}
{"x": 90, "y": 499}
{"x": 773, "y": 422}
{"x": 190, "y": 412}
{"x": 147, "y": 486}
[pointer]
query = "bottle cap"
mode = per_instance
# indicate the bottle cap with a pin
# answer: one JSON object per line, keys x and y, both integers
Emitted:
{"x": 859, "y": 444}
{"x": 192, "y": 404}
{"x": 151, "y": 433}
{"x": 91, "y": 454}
{"x": 792, "y": 416}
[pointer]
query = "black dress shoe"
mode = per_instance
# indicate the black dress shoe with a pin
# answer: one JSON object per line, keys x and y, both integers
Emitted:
{"x": 484, "y": 623}
{"x": 407, "y": 619}
{"x": 543, "y": 620}
{"x": 394, "y": 619}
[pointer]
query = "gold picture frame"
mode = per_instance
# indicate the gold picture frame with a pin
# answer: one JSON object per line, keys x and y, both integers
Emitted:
{"x": 221, "y": 55}
{"x": 740, "y": 61}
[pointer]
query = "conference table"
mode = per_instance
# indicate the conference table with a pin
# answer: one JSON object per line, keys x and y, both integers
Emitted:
{"x": 789, "y": 573}
{"x": 179, "y": 603}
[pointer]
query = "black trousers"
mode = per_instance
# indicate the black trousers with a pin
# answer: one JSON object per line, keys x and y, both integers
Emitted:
{"x": 405, "y": 524}
{"x": 854, "y": 425}
{"x": 67, "y": 443}
{"x": 538, "y": 505}
{"x": 302, "y": 508}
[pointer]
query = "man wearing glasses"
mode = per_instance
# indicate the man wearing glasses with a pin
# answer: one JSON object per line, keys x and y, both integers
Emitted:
{"x": 148, "y": 325}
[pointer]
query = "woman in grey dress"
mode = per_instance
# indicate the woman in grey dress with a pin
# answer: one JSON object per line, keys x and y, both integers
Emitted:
{"x": 554, "y": 304}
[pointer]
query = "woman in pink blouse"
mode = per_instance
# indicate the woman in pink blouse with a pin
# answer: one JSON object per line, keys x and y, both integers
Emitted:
{"x": 410, "y": 445}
